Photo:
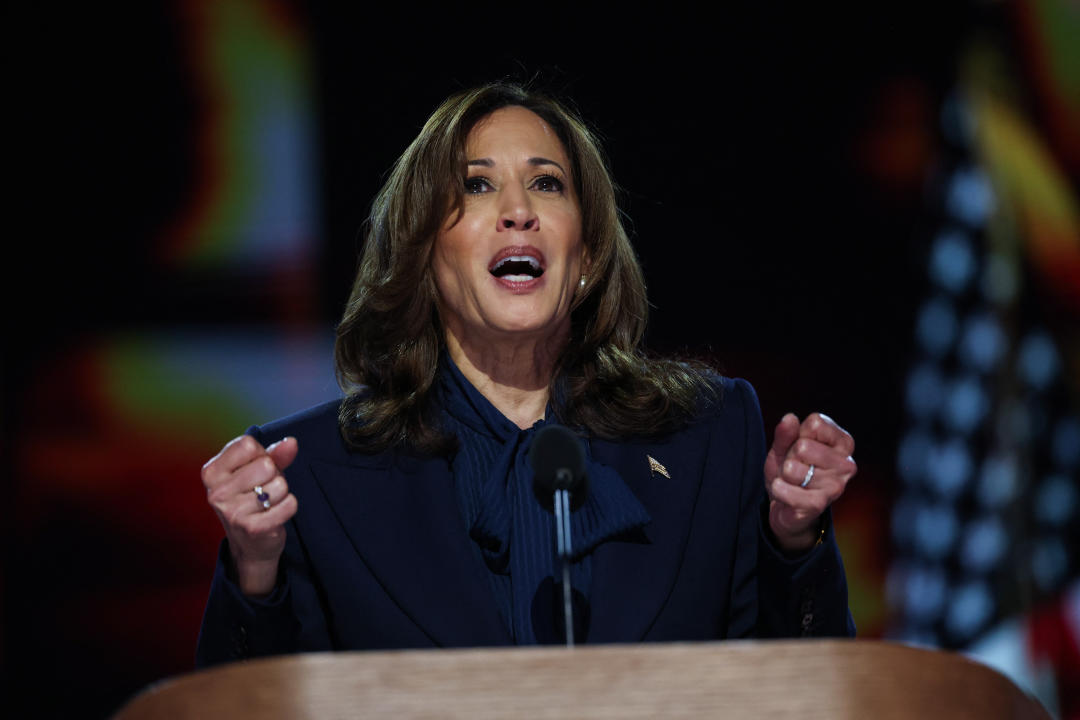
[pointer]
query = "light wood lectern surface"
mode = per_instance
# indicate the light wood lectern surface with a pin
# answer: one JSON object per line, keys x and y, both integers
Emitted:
{"x": 742, "y": 679}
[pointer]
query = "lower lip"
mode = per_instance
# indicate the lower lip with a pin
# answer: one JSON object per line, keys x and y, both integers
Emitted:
{"x": 519, "y": 286}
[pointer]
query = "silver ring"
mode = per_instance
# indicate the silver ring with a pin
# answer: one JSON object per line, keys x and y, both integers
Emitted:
{"x": 261, "y": 496}
{"x": 809, "y": 476}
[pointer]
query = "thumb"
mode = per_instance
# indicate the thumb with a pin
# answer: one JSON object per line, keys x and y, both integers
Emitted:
{"x": 787, "y": 432}
{"x": 283, "y": 452}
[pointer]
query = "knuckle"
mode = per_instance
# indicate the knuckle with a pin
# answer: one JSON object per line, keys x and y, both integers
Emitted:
{"x": 216, "y": 497}
{"x": 281, "y": 513}
{"x": 251, "y": 524}
{"x": 234, "y": 517}
{"x": 212, "y": 474}
{"x": 248, "y": 444}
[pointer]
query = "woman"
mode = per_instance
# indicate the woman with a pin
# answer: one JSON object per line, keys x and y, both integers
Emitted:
{"x": 498, "y": 293}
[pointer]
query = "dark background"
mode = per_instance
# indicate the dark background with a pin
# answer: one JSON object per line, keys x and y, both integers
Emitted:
{"x": 781, "y": 239}
{"x": 739, "y": 143}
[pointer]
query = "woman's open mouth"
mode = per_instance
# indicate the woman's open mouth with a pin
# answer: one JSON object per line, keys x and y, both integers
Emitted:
{"x": 517, "y": 265}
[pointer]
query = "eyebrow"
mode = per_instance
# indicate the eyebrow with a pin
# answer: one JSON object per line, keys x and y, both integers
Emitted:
{"x": 488, "y": 162}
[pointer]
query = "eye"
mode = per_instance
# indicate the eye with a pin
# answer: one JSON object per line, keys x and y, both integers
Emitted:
{"x": 476, "y": 185}
{"x": 548, "y": 183}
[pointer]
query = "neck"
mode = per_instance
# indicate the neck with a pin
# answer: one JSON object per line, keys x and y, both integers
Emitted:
{"x": 514, "y": 373}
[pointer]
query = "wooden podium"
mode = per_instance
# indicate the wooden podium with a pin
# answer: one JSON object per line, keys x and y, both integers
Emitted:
{"x": 742, "y": 679}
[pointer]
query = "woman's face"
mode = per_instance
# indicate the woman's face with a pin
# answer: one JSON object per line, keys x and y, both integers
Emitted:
{"x": 509, "y": 267}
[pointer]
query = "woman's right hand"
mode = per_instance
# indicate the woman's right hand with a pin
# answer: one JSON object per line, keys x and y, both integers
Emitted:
{"x": 256, "y": 535}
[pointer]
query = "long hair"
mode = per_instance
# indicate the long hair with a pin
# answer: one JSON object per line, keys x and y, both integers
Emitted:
{"x": 389, "y": 339}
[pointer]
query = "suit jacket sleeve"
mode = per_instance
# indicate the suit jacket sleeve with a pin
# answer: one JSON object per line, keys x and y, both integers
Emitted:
{"x": 774, "y": 595}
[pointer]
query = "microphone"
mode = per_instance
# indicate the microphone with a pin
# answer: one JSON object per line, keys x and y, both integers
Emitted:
{"x": 560, "y": 483}
{"x": 558, "y": 463}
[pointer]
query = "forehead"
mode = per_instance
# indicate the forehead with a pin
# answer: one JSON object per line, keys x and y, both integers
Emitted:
{"x": 514, "y": 130}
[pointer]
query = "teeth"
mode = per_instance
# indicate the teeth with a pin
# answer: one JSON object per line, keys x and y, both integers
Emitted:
{"x": 533, "y": 262}
{"x": 517, "y": 278}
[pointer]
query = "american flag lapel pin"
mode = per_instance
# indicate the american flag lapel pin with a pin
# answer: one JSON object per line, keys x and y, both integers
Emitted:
{"x": 655, "y": 467}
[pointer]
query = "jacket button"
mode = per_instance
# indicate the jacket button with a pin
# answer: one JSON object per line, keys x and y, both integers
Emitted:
{"x": 240, "y": 647}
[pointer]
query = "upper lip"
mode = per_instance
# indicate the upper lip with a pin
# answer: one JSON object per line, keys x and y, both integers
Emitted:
{"x": 517, "y": 251}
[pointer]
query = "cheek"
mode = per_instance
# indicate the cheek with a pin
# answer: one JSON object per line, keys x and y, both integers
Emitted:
{"x": 450, "y": 260}
{"x": 440, "y": 262}
{"x": 573, "y": 233}
{"x": 572, "y": 225}
{"x": 446, "y": 277}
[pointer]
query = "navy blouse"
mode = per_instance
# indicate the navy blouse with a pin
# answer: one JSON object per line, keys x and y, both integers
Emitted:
{"x": 512, "y": 533}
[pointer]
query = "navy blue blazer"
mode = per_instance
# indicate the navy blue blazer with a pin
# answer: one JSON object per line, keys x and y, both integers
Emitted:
{"x": 378, "y": 557}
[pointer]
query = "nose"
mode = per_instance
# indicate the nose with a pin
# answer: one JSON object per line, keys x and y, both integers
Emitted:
{"x": 516, "y": 211}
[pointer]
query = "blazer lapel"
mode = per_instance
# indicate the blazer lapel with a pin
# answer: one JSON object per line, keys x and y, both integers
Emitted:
{"x": 402, "y": 518}
{"x": 632, "y": 577}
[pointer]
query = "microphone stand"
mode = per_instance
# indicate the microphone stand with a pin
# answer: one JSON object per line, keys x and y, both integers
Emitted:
{"x": 564, "y": 549}
{"x": 559, "y": 475}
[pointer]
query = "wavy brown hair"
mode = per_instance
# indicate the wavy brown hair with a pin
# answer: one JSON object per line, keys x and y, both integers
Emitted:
{"x": 390, "y": 337}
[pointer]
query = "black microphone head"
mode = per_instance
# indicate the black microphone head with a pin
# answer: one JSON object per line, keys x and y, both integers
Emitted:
{"x": 558, "y": 462}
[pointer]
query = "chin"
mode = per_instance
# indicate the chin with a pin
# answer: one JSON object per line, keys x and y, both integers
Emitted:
{"x": 526, "y": 325}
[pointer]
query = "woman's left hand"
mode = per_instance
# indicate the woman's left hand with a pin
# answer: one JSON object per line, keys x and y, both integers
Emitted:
{"x": 795, "y": 505}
